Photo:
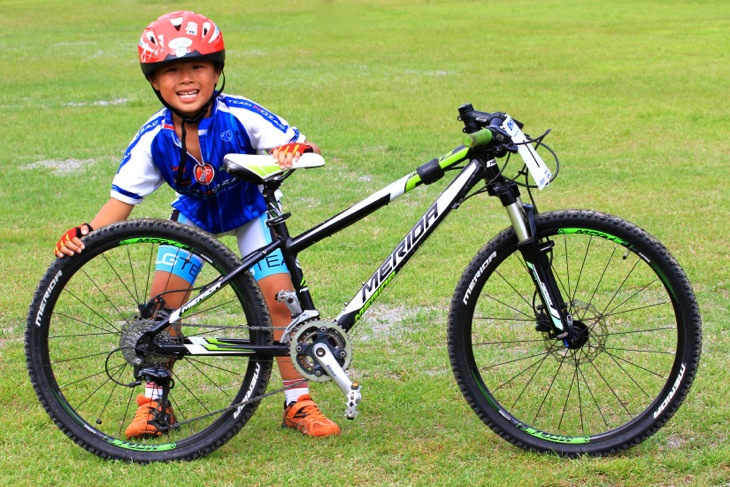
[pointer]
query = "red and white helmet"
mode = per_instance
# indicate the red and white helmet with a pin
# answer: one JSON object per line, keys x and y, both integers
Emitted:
{"x": 180, "y": 36}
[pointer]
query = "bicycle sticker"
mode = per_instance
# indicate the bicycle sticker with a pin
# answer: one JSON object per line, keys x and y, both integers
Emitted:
{"x": 538, "y": 169}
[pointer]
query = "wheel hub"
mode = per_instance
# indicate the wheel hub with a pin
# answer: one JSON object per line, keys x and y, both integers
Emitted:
{"x": 590, "y": 333}
{"x": 580, "y": 335}
{"x": 137, "y": 357}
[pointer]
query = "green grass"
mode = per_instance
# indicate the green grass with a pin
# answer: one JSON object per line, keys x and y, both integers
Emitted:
{"x": 635, "y": 93}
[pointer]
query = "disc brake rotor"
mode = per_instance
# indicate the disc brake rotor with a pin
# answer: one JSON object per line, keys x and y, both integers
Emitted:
{"x": 591, "y": 327}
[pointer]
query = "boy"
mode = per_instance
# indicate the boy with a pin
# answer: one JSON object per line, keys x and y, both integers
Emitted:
{"x": 182, "y": 56}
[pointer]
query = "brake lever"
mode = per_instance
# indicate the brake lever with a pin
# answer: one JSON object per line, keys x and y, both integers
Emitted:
{"x": 503, "y": 140}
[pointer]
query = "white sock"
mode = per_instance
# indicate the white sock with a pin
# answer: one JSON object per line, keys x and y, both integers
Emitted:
{"x": 152, "y": 391}
{"x": 295, "y": 392}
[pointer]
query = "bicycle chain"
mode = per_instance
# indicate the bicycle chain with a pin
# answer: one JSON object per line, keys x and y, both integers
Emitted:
{"x": 228, "y": 327}
{"x": 179, "y": 424}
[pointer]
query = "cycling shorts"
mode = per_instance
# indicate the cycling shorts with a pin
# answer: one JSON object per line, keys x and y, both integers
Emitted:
{"x": 250, "y": 237}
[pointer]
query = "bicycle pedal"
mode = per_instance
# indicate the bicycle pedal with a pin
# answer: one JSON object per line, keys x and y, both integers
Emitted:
{"x": 353, "y": 400}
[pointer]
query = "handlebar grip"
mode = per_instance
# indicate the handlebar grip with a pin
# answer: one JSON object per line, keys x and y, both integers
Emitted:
{"x": 480, "y": 137}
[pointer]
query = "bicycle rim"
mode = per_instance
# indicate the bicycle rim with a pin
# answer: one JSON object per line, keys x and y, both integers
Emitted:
{"x": 86, "y": 318}
{"x": 628, "y": 374}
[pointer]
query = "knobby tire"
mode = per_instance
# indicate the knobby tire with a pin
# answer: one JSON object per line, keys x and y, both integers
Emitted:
{"x": 83, "y": 323}
{"x": 641, "y": 342}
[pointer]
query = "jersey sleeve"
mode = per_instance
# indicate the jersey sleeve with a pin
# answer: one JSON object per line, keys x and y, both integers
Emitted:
{"x": 264, "y": 129}
{"x": 137, "y": 176}
{"x": 269, "y": 136}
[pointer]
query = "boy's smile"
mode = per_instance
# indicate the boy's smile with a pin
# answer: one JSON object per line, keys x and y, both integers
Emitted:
{"x": 186, "y": 86}
{"x": 188, "y": 96}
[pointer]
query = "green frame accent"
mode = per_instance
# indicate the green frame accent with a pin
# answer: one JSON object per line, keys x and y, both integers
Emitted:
{"x": 446, "y": 161}
{"x": 217, "y": 345}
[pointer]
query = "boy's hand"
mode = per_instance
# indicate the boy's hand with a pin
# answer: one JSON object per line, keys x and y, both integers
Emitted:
{"x": 71, "y": 243}
{"x": 287, "y": 154}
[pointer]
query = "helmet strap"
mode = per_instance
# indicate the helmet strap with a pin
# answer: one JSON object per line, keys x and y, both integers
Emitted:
{"x": 191, "y": 121}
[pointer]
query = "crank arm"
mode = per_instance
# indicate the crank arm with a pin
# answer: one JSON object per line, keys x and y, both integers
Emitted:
{"x": 350, "y": 389}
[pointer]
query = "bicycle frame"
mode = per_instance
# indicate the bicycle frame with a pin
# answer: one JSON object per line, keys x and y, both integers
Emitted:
{"x": 290, "y": 247}
{"x": 479, "y": 168}
{"x": 409, "y": 244}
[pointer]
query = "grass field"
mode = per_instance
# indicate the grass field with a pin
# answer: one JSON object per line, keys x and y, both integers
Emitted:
{"x": 635, "y": 93}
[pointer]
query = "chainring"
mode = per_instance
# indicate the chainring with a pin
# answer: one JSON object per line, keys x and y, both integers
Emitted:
{"x": 314, "y": 332}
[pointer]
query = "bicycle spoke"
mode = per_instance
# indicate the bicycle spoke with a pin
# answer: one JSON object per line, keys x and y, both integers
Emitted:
{"x": 547, "y": 393}
{"x": 99, "y": 307}
{"x": 620, "y": 359}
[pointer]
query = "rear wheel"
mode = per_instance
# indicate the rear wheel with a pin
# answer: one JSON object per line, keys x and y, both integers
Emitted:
{"x": 639, "y": 346}
{"x": 84, "y": 322}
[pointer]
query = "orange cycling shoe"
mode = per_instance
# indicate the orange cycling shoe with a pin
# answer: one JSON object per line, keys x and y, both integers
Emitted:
{"x": 304, "y": 415}
{"x": 143, "y": 426}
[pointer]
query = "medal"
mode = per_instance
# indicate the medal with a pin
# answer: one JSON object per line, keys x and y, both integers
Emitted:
{"x": 204, "y": 173}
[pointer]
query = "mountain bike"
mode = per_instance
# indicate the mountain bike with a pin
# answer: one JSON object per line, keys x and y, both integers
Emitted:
{"x": 571, "y": 331}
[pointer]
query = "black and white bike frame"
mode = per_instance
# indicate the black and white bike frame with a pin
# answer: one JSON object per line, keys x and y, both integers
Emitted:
{"x": 474, "y": 171}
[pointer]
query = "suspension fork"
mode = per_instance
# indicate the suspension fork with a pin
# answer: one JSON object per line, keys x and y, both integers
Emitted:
{"x": 535, "y": 253}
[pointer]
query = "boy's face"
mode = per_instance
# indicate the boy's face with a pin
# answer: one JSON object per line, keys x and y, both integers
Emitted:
{"x": 186, "y": 86}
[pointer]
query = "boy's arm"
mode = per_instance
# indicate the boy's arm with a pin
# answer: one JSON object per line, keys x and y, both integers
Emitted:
{"x": 113, "y": 211}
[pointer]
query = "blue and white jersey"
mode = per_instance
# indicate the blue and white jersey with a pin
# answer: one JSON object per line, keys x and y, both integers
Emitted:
{"x": 236, "y": 125}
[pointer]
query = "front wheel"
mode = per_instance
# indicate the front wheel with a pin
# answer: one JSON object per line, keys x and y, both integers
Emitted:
{"x": 87, "y": 316}
{"x": 620, "y": 382}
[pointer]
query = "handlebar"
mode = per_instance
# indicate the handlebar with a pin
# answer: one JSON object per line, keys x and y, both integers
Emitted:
{"x": 480, "y": 137}
{"x": 481, "y": 128}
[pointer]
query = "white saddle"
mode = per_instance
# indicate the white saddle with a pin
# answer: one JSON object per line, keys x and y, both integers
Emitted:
{"x": 259, "y": 169}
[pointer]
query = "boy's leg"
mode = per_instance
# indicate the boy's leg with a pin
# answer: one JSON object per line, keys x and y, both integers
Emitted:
{"x": 300, "y": 411}
{"x": 272, "y": 276}
{"x": 280, "y": 318}
{"x": 172, "y": 282}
